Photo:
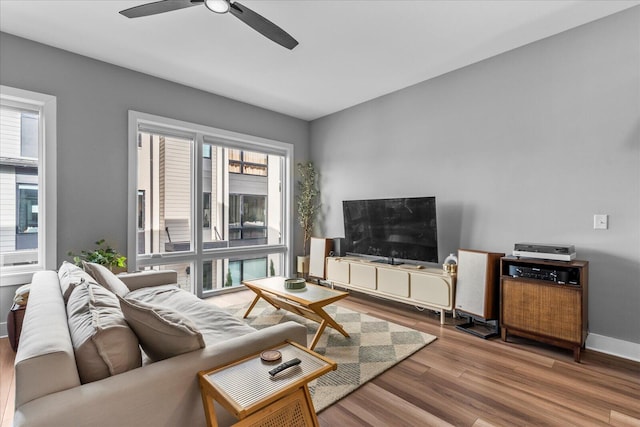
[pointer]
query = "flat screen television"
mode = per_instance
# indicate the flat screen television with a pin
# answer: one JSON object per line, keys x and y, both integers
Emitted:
{"x": 395, "y": 229}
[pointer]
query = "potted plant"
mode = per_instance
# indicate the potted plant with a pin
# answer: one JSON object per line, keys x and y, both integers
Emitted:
{"x": 308, "y": 206}
{"x": 103, "y": 254}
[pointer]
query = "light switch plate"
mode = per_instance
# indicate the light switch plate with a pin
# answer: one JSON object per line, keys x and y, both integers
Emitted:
{"x": 600, "y": 222}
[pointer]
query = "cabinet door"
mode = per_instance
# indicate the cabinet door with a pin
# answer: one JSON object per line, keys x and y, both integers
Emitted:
{"x": 363, "y": 276}
{"x": 337, "y": 271}
{"x": 551, "y": 310}
{"x": 431, "y": 290}
{"x": 393, "y": 282}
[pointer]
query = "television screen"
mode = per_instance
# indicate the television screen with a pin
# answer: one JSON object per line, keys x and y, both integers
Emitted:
{"x": 403, "y": 228}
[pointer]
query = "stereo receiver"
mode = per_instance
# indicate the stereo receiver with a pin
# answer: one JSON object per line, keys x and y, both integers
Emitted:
{"x": 562, "y": 277}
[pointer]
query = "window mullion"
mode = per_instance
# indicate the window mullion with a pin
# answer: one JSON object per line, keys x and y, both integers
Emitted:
{"x": 196, "y": 212}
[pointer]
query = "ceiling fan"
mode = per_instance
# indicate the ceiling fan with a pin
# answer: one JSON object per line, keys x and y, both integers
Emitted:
{"x": 243, "y": 13}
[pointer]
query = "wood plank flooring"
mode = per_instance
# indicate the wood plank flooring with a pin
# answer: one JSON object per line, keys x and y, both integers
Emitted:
{"x": 462, "y": 380}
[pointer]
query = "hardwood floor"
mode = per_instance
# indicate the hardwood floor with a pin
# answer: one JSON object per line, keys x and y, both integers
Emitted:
{"x": 462, "y": 380}
{"x": 7, "y": 385}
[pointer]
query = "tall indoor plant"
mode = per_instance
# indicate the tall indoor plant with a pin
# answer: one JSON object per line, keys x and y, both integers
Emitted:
{"x": 308, "y": 206}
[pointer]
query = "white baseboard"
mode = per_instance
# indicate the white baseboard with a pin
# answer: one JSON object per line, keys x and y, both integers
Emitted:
{"x": 603, "y": 344}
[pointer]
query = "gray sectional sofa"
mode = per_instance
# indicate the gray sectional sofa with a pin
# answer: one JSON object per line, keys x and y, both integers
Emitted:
{"x": 80, "y": 364}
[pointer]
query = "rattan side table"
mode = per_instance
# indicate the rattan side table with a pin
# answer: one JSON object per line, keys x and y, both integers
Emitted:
{"x": 257, "y": 399}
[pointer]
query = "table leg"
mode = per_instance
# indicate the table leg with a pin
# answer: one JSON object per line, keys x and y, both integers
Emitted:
{"x": 259, "y": 295}
{"x": 310, "y": 408}
{"x": 326, "y": 321}
{"x": 209, "y": 410}
{"x": 318, "y": 334}
{"x": 253, "y": 304}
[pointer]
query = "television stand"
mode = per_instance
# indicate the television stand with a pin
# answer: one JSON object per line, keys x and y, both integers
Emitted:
{"x": 420, "y": 286}
{"x": 389, "y": 261}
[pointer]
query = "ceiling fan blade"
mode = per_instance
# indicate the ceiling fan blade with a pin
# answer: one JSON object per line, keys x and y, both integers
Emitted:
{"x": 157, "y": 7}
{"x": 263, "y": 25}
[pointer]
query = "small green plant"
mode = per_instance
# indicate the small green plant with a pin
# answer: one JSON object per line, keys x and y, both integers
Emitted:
{"x": 272, "y": 269}
{"x": 103, "y": 254}
{"x": 307, "y": 200}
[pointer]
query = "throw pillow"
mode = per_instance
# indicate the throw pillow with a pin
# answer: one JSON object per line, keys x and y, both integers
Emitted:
{"x": 106, "y": 278}
{"x": 103, "y": 343}
{"x": 70, "y": 276}
{"x": 162, "y": 332}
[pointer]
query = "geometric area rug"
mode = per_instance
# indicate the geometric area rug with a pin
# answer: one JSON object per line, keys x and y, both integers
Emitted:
{"x": 375, "y": 345}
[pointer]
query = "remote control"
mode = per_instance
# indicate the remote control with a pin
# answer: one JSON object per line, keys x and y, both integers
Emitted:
{"x": 283, "y": 366}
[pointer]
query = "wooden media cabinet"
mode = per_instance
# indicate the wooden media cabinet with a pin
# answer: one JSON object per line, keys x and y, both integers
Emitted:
{"x": 545, "y": 300}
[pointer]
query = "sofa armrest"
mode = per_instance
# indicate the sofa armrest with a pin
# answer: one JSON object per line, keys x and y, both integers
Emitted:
{"x": 164, "y": 393}
{"x": 45, "y": 361}
{"x": 143, "y": 279}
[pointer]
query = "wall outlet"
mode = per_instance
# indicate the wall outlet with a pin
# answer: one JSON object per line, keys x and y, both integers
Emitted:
{"x": 600, "y": 222}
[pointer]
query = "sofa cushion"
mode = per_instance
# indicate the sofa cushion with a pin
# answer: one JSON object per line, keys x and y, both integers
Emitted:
{"x": 147, "y": 278}
{"x": 103, "y": 343}
{"x": 106, "y": 278}
{"x": 214, "y": 323}
{"x": 70, "y": 276}
{"x": 162, "y": 331}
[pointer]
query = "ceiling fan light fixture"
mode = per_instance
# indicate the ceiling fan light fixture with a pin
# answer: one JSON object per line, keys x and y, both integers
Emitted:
{"x": 217, "y": 6}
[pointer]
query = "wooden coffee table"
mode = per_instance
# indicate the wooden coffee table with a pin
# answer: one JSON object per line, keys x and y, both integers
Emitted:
{"x": 308, "y": 302}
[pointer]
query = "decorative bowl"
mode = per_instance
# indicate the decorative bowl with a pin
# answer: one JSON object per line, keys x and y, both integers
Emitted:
{"x": 294, "y": 284}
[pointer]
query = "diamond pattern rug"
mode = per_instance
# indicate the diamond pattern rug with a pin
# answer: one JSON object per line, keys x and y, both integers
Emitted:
{"x": 375, "y": 345}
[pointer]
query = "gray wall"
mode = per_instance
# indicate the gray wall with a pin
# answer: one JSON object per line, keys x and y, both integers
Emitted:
{"x": 93, "y": 99}
{"x": 524, "y": 146}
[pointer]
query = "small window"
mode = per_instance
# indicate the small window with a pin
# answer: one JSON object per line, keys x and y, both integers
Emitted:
{"x": 248, "y": 162}
{"x": 29, "y": 135}
{"x": 206, "y": 210}
{"x": 247, "y": 269}
{"x": 27, "y": 215}
{"x": 248, "y": 218}
{"x": 141, "y": 207}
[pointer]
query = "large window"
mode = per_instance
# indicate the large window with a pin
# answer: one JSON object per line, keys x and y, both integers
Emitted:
{"x": 209, "y": 203}
{"x": 27, "y": 184}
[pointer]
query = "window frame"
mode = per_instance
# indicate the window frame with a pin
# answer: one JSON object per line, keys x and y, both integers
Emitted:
{"x": 46, "y": 106}
{"x": 201, "y": 135}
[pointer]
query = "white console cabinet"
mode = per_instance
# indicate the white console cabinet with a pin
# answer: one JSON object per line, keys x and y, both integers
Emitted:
{"x": 432, "y": 288}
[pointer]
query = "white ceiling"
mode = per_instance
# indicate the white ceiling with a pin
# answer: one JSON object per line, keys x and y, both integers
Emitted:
{"x": 350, "y": 51}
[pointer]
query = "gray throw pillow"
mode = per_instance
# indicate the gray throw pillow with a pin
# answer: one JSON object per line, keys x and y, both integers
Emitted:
{"x": 106, "y": 278}
{"x": 103, "y": 343}
{"x": 70, "y": 276}
{"x": 162, "y": 331}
